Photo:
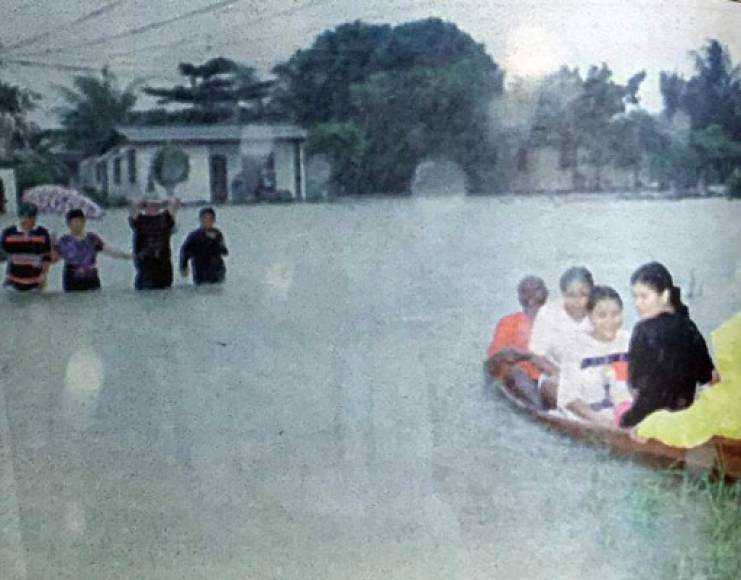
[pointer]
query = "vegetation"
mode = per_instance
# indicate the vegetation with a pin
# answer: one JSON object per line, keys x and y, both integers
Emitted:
{"x": 170, "y": 166}
{"x": 219, "y": 90}
{"x": 34, "y": 168}
{"x": 15, "y": 131}
{"x": 413, "y": 91}
{"x": 379, "y": 99}
{"x": 93, "y": 109}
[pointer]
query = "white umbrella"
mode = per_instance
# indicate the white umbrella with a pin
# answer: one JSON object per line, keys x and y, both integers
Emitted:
{"x": 59, "y": 199}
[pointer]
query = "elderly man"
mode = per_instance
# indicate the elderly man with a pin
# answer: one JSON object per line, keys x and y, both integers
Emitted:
{"x": 508, "y": 355}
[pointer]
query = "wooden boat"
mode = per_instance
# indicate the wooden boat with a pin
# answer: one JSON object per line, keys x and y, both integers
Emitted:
{"x": 720, "y": 457}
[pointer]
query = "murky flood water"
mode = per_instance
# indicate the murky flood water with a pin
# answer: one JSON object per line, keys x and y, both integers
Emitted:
{"x": 322, "y": 415}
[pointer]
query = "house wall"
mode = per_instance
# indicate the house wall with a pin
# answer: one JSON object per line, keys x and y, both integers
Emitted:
{"x": 198, "y": 186}
{"x": 542, "y": 173}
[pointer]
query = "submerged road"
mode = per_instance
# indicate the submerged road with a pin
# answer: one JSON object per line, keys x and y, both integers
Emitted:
{"x": 322, "y": 415}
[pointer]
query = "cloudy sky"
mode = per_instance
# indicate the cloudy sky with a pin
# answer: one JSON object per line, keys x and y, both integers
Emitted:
{"x": 145, "y": 39}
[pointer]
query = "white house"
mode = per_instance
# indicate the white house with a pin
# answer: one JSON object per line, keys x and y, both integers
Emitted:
{"x": 227, "y": 162}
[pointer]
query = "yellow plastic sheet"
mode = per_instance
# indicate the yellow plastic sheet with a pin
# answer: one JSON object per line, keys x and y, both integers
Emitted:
{"x": 717, "y": 411}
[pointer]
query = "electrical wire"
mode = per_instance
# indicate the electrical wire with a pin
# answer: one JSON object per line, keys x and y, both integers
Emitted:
{"x": 210, "y": 8}
{"x": 98, "y": 12}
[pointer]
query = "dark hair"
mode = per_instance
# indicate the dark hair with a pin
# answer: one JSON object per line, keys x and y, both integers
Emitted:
{"x": 27, "y": 210}
{"x": 530, "y": 283}
{"x": 600, "y": 293}
{"x": 576, "y": 274}
{"x": 658, "y": 277}
{"x": 207, "y": 211}
{"x": 75, "y": 214}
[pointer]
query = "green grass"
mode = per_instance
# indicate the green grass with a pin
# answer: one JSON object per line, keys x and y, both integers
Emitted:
{"x": 669, "y": 524}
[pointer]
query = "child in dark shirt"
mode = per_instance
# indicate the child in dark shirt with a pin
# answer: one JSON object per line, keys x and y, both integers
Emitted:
{"x": 668, "y": 355}
{"x": 205, "y": 247}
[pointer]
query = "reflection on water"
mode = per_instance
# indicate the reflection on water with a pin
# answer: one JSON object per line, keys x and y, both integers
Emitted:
{"x": 322, "y": 414}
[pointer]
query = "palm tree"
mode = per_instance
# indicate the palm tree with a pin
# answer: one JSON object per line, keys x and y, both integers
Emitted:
{"x": 94, "y": 107}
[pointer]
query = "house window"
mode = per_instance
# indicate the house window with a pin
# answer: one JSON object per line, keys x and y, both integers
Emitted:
{"x": 117, "y": 171}
{"x": 131, "y": 159}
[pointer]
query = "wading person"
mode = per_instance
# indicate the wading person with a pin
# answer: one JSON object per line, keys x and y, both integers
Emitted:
{"x": 153, "y": 223}
{"x": 555, "y": 325}
{"x": 594, "y": 373}
{"x": 79, "y": 250}
{"x": 28, "y": 249}
{"x": 508, "y": 354}
{"x": 668, "y": 355}
{"x": 205, "y": 247}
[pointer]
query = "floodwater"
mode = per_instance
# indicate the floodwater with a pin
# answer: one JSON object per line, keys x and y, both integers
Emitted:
{"x": 322, "y": 415}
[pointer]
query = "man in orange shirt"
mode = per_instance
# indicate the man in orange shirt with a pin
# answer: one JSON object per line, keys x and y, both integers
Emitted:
{"x": 508, "y": 353}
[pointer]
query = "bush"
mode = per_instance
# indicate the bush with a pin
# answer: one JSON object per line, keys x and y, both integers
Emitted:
{"x": 32, "y": 169}
{"x": 733, "y": 184}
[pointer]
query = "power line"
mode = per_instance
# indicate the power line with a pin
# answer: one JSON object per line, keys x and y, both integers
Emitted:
{"x": 240, "y": 26}
{"x": 213, "y": 7}
{"x": 51, "y": 65}
{"x": 103, "y": 10}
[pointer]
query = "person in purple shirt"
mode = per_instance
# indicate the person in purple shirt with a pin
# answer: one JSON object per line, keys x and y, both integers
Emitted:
{"x": 79, "y": 250}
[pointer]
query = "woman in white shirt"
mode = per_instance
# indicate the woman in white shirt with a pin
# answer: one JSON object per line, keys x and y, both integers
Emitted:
{"x": 556, "y": 324}
{"x": 594, "y": 370}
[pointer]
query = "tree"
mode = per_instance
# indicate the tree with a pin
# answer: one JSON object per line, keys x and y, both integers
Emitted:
{"x": 637, "y": 140}
{"x": 711, "y": 99}
{"x": 93, "y": 109}
{"x": 218, "y": 90}
{"x": 418, "y": 89}
{"x": 15, "y": 104}
{"x": 344, "y": 145}
{"x": 600, "y": 101}
{"x": 575, "y": 113}
{"x": 314, "y": 85}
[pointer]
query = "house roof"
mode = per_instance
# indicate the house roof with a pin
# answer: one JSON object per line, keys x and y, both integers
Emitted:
{"x": 209, "y": 133}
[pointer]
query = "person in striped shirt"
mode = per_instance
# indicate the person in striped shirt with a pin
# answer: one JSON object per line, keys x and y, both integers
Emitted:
{"x": 28, "y": 248}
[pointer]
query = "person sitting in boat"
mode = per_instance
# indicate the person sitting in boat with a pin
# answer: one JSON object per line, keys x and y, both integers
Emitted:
{"x": 555, "y": 324}
{"x": 508, "y": 355}
{"x": 717, "y": 411}
{"x": 593, "y": 378}
{"x": 668, "y": 355}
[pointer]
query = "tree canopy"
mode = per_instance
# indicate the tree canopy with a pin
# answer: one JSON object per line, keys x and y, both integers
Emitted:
{"x": 413, "y": 90}
{"x": 216, "y": 91}
{"x": 93, "y": 108}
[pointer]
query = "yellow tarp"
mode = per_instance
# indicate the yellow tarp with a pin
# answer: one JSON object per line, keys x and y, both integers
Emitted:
{"x": 717, "y": 411}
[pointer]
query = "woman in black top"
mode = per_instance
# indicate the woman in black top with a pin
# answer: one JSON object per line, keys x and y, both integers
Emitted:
{"x": 668, "y": 355}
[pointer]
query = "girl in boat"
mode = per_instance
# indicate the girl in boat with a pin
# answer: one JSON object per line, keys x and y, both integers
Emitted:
{"x": 668, "y": 355}
{"x": 555, "y": 325}
{"x": 593, "y": 375}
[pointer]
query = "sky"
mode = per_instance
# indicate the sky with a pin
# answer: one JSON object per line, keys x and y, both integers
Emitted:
{"x": 527, "y": 38}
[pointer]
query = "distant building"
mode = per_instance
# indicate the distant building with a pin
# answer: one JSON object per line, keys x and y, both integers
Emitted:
{"x": 542, "y": 169}
{"x": 228, "y": 163}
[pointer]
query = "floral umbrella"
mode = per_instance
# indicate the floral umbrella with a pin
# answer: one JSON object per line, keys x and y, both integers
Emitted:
{"x": 59, "y": 199}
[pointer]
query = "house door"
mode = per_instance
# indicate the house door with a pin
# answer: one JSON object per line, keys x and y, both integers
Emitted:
{"x": 219, "y": 180}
